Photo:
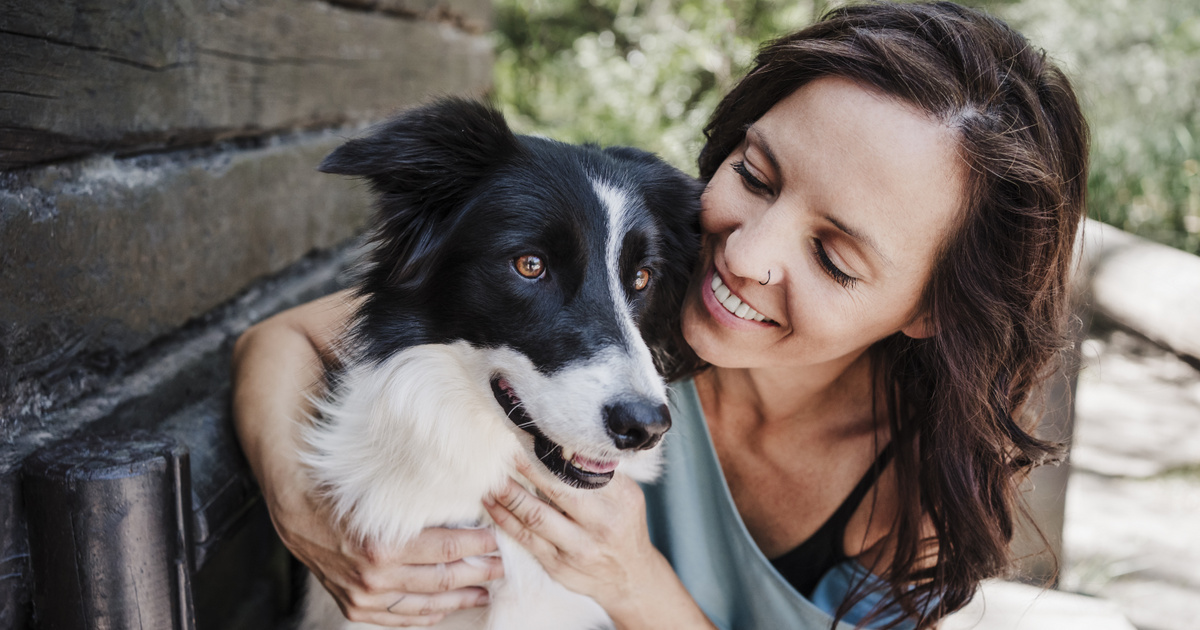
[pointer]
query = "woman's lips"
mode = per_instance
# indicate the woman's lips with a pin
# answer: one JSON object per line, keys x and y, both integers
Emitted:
{"x": 721, "y": 312}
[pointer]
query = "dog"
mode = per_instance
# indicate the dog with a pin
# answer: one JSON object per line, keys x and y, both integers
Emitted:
{"x": 520, "y": 295}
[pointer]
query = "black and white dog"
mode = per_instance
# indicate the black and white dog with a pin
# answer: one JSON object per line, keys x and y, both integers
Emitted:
{"x": 514, "y": 299}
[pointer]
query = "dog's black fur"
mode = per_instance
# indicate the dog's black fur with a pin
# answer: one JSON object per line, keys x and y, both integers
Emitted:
{"x": 460, "y": 196}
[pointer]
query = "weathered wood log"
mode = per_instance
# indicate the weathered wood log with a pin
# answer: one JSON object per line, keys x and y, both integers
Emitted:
{"x": 179, "y": 387}
{"x": 1142, "y": 286}
{"x": 100, "y": 257}
{"x": 130, "y": 75}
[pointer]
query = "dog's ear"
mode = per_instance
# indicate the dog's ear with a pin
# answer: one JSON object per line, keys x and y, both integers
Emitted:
{"x": 673, "y": 197}
{"x": 423, "y": 167}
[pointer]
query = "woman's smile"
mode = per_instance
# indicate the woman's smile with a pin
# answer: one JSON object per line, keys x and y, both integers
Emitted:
{"x": 730, "y": 308}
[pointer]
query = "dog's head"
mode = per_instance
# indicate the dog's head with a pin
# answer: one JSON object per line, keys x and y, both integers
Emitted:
{"x": 566, "y": 264}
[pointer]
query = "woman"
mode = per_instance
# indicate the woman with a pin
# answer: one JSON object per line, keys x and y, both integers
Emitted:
{"x": 897, "y": 189}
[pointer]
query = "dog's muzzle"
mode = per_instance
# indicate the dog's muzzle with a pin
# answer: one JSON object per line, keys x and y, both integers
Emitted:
{"x": 631, "y": 426}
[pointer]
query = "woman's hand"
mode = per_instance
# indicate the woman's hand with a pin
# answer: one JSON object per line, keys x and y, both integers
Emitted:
{"x": 596, "y": 543}
{"x": 416, "y": 585}
{"x": 278, "y": 366}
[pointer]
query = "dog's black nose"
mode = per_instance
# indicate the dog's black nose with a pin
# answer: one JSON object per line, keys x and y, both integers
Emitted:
{"x": 636, "y": 426}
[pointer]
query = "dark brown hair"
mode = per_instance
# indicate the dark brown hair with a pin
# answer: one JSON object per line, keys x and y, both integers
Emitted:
{"x": 962, "y": 404}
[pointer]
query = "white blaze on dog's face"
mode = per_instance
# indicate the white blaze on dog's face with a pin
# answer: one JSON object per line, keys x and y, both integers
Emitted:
{"x": 607, "y": 409}
{"x": 555, "y": 261}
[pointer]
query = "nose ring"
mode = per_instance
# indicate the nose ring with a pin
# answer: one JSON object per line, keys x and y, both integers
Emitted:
{"x": 764, "y": 283}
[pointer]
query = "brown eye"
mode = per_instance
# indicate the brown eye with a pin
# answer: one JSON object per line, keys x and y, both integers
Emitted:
{"x": 641, "y": 279}
{"x": 530, "y": 266}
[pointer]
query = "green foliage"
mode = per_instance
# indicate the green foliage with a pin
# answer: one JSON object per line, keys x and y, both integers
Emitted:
{"x": 1137, "y": 67}
{"x": 647, "y": 73}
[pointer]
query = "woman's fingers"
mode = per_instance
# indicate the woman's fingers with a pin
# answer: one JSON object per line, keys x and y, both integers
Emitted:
{"x": 431, "y": 578}
{"x": 530, "y": 521}
{"x": 437, "y": 572}
{"x": 419, "y": 604}
{"x": 437, "y": 544}
{"x": 584, "y": 506}
{"x": 551, "y": 487}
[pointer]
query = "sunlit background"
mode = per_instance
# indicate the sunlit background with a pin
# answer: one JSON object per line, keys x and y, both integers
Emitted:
{"x": 648, "y": 73}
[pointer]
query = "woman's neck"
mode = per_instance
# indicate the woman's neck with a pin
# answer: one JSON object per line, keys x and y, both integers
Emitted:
{"x": 837, "y": 397}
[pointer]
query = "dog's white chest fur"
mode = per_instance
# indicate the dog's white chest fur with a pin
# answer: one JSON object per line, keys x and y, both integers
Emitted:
{"x": 418, "y": 441}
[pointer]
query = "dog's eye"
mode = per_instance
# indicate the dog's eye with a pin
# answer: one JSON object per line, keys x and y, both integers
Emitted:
{"x": 641, "y": 279}
{"x": 530, "y": 266}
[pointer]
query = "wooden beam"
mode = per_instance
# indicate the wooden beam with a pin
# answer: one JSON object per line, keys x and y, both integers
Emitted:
{"x": 132, "y": 75}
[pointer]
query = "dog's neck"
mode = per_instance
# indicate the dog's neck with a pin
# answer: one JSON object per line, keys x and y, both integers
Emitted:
{"x": 413, "y": 442}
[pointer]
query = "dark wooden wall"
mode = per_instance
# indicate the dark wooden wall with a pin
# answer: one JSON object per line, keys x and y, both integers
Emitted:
{"x": 158, "y": 195}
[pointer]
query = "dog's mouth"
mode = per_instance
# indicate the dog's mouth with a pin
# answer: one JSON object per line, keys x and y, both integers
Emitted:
{"x": 572, "y": 468}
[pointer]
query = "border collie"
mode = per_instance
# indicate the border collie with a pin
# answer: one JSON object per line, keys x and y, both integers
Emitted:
{"x": 519, "y": 295}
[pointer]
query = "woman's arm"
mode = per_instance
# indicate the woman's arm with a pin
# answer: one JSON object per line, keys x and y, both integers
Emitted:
{"x": 597, "y": 543}
{"x": 277, "y": 368}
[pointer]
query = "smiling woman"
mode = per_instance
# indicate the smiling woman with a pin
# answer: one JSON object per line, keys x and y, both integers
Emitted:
{"x": 891, "y": 199}
{"x": 843, "y": 195}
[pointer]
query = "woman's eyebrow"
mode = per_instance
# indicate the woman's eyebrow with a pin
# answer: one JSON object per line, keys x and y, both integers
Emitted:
{"x": 760, "y": 141}
{"x": 861, "y": 237}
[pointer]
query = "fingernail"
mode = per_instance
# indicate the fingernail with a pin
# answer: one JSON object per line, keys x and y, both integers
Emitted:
{"x": 483, "y": 599}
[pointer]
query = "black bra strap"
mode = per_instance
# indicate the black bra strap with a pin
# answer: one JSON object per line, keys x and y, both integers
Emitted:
{"x": 842, "y": 516}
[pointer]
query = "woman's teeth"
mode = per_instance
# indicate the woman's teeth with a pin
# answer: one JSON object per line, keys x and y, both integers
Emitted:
{"x": 733, "y": 303}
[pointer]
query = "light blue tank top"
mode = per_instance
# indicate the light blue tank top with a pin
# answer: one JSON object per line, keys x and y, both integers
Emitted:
{"x": 695, "y": 524}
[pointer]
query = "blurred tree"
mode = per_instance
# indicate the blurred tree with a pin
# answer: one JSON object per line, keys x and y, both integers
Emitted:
{"x": 639, "y": 72}
{"x": 1137, "y": 66}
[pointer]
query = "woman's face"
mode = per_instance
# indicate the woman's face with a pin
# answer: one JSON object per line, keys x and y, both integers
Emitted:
{"x": 843, "y": 196}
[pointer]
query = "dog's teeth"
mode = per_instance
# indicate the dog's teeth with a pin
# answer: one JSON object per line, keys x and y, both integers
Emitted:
{"x": 568, "y": 454}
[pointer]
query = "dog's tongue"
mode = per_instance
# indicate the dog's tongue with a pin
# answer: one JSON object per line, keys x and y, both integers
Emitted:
{"x": 594, "y": 465}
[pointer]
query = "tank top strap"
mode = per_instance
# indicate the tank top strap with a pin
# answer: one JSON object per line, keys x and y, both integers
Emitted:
{"x": 804, "y": 565}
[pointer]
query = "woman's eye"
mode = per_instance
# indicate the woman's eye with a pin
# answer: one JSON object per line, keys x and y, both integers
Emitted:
{"x": 838, "y": 275}
{"x": 749, "y": 179}
{"x": 641, "y": 279}
{"x": 529, "y": 266}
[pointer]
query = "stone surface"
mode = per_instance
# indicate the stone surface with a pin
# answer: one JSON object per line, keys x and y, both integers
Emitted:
{"x": 1144, "y": 286}
{"x": 1011, "y": 606}
{"x": 105, "y": 75}
{"x": 1142, "y": 407}
{"x": 98, "y": 258}
{"x": 1132, "y": 532}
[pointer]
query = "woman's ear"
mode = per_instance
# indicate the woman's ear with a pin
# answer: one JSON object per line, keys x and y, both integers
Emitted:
{"x": 921, "y": 327}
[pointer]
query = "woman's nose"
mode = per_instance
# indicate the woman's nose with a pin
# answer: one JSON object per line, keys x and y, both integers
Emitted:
{"x": 753, "y": 249}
